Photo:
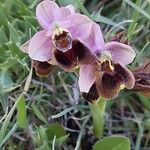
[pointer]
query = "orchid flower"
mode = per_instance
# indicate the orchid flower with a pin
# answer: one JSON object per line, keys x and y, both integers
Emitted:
{"x": 63, "y": 29}
{"x": 109, "y": 74}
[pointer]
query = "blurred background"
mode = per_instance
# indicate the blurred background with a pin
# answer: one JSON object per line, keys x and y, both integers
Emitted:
{"x": 54, "y": 105}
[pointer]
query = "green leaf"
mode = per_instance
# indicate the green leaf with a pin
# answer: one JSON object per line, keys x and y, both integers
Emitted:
{"x": 14, "y": 49}
{"x": 4, "y": 54}
{"x": 5, "y": 124}
{"x": 137, "y": 8}
{"x": 65, "y": 2}
{"x": 9, "y": 89}
{"x": 62, "y": 113}
{"x": 39, "y": 114}
{"x": 14, "y": 37}
{"x": 145, "y": 100}
{"x": 139, "y": 57}
{"x": 99, "y": 18}
{"x": 3, "y": 17}
{"x": 4, "y": 101}
{"x": 10, "y": 133}
{"x": 113, "y": 143}
{"x": 22, "y": 113}
{"x": 43, "y": 139}
{"x": 43, "y": 135}
{"x": 9, "y": 63}
{"x": 3, "y": 37}
{"x": 7, "y": 5}
{"x": 62, "y": 139}
{"x": 31, "y": 20}
{"x": 81, "y": 7}
{"x": 55, "y": 129}
{"x": 34, "y": 3}
{"x": 133, "y": 24}
{"x": 5, "y": 80}
{"x": 44, "y": 146}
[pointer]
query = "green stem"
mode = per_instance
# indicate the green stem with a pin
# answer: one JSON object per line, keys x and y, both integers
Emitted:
{"x": 97, "y": 110}
{"x": 139, "y": 138}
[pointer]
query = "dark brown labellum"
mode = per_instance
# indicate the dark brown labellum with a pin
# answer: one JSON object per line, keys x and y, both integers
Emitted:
{"x": 92, "y": 95}
{"x": 109, "y": 83}
{"x": 42, "y": 68}
{"x": 78, "y": 54}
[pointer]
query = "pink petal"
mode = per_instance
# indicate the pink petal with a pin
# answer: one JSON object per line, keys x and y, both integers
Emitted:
{"x": 79, "y": 26}
{"x": 47, "y": 12}
{"x": 121, "y": 53}
{"x": 66, "y": 11}
{"x": 40, "y": 47}
{"x": 95, "y": 40}
{"x": 25, "y": 46}
{"x": 86, "y": 77}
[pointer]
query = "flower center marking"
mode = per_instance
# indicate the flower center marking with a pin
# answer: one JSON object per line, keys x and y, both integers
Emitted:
{"x": 105, "y": 59}
{"x": 122, "y": 86}
{"x": 61, "y": 38}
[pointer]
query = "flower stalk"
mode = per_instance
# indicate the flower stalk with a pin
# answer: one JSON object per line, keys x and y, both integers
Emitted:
{"x": 97, "y": 110}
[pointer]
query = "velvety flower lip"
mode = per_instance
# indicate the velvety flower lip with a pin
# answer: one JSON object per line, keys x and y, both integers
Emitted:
{"x": 43, "y": 69}
{"x": 54, "y": 21}
{"x": 110, "y": 83}
{"x": 79, "y": 54}
{"x": 92, "y": 95}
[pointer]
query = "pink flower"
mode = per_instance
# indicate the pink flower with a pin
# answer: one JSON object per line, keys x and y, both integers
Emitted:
{"x": 109, "y": 73}
{"x": 61, "y": 25}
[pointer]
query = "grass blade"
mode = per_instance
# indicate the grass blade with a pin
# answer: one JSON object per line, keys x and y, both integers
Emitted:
{"x": 8, "y": 118}
{"x": 10, "y": 133}
{"x": 134, "y": 24}
{"x": 22, "y": 113}
{"x": 137, "y": 8}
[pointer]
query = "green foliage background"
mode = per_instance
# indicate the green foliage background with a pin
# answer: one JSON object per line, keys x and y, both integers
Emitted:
{"x": 28, "y": 120}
